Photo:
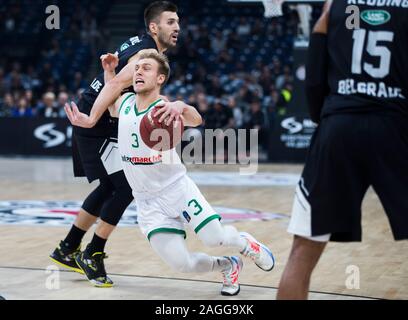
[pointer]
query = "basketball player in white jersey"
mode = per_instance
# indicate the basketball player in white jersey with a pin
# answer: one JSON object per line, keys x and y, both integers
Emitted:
{"x": 166, "y": 197}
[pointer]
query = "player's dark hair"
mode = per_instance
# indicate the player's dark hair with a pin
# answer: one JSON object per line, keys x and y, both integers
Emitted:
{"x": 162, "y": 60}
{"x": 155, "y": 9}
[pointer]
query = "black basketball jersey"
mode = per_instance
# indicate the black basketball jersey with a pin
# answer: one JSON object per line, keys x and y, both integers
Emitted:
{"x": 127, "y": 50}
{"x": 368, "y": 67}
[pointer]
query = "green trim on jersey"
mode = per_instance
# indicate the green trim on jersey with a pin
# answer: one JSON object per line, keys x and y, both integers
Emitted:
{"x": 148, "y": 108}
{"x": 206, "y": 221}
{"x": 123, "y": 102}
{"x": 168, "y": 230}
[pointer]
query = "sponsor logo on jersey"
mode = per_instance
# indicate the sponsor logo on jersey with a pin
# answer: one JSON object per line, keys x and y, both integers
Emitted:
{"x": 186, "y": 216}
{"x": 63, "y": 213}
{"x": 124, "y": 46}
{"x": 378, "y": 90}
{"x": 96, "y": 85}
{"x": 143, "y": 160}
{"x": 135, "y": 40}
{"x": 375, "y": 17}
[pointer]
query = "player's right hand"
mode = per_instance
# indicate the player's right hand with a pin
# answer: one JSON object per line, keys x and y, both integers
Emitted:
{"x": 109, "y": 62}
{"x": 78, "y": 118}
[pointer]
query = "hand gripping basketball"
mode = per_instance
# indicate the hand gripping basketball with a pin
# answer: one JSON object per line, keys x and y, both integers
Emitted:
{"x": 161, "y": 136}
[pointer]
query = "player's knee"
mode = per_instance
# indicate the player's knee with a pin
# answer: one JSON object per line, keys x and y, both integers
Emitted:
{"x": 114, "y": 208}
{"x": 105, "y": 188}
{"x": 213, "y": 240}
{"x": 213, "y": 234}
{"x": 93, "y": 203}
{"x": 183, "y": 265}
{"x": 124, "y": 196}
{"x": 306, "y": 252}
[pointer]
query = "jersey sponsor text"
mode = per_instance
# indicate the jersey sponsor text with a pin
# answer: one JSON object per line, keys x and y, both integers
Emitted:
{"x": 379, "y": 90}
{"x": 143, "y": 160}
{"x": 380, "y": 3}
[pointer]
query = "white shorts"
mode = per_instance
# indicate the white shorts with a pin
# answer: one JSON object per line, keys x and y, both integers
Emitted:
{"x": 301, "y": 219}
{"x": 179, "y": 204}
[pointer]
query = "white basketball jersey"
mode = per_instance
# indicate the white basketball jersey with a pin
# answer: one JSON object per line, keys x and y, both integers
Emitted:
{"x": 148, "y": 171}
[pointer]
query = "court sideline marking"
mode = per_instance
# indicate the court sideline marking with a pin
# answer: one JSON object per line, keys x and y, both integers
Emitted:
{"x": 193, "y": 280}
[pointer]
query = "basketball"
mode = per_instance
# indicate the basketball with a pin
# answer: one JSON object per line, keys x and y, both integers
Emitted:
{"x": 159, "y": 136}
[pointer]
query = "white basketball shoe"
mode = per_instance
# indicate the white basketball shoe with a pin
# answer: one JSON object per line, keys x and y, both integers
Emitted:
{"x": 258, "y": 252}
{"x": 230, "y": 285}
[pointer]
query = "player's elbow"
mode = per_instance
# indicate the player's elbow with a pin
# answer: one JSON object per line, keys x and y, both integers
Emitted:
{"x": 197, "y": 121}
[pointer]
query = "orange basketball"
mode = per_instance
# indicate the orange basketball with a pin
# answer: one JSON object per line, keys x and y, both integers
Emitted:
{"x": 157, "y": 135}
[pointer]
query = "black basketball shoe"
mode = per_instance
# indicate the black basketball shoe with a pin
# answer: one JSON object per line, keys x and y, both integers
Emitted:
{"x": 65, "y": 257}
{"x": 94, "y": 268}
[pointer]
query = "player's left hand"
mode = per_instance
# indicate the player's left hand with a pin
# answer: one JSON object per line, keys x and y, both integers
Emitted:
{"x": 78, "y": 118}
{"x": 171, "y": 111}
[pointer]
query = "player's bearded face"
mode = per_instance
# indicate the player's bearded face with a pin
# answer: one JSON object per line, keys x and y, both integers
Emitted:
{"x": 168, "y": 29}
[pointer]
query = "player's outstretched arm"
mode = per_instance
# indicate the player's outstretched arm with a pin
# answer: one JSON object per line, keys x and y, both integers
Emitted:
{"x": 76, "y": 117}
{"x": 109, "y": 63}
{"x": 179, "y": 109}
{"x": 112, "y": 90}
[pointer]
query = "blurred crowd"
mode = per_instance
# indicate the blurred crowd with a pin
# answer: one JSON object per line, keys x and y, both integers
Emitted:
{"x": 237, "y": 71}
{"x": 40, "y": 83}
{"x": 32, "y": 94}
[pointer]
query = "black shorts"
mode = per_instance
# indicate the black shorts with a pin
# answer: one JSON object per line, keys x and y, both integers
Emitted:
{"x": 349, "y": 153}
{"x": 95, "y": 151}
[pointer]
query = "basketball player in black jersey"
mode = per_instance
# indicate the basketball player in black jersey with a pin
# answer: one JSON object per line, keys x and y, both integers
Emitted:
{"x": 94, "y": 152}
{"x": 357, "y": 82}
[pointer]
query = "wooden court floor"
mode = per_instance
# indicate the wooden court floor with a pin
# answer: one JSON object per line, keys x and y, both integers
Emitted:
{"x": 381, "y": 263}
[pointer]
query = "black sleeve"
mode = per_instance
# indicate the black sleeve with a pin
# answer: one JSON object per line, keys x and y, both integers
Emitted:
{"x": 317, "y": 86}
{"x": 128, "y": 50}
{"x": 131, "y": 51}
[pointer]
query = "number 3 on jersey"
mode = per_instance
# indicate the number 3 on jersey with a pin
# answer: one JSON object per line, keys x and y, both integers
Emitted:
{"x": 374, "y": 50}
{"x": 136, "y": 140}
{"x": 196, "y": 206}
